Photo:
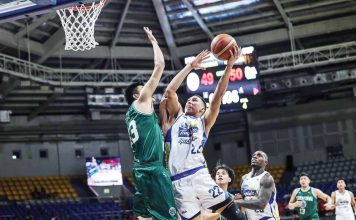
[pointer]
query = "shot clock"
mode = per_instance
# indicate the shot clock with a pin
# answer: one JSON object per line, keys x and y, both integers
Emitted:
{"x": 244, "y": 88}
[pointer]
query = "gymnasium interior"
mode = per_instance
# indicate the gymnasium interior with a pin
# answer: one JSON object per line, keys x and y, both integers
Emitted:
{"x": 61, "y": 111}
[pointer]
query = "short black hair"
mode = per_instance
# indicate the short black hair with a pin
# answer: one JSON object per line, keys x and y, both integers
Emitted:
{"x": 130, "y": 91}
{"x": 340, "y": 178}
{"x": 201, "y": 98}
{"x": 304, "y": 174}
{"x": 230, "y": 171}
{"x": 204, "y": 102}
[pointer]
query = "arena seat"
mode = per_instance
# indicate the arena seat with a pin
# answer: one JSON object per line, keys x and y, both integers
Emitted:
{"x": 21, "y": 188}
{"x": 75, "y": 209}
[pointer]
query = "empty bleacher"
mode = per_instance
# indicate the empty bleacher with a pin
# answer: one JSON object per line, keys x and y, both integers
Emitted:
{"x": 25, "y": 188}
{"x": 322, "y": 172}
{"x": 76, "y": 209}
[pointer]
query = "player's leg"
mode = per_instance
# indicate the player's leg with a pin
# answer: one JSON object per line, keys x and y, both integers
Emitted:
{"x": 139, "y": 203}
{"x": 188, "y": 204}
{"x": 205, "y": 215}
{"x": 159, "y": 193}
{"x": 214, "y": 198}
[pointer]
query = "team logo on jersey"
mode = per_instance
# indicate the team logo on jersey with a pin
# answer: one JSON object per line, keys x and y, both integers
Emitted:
{"x": 184, "y": 141}
{"x": 187, "y": 131}
{"x": 184, "y": 130}
{"x": 305, "y": 198}
{"x": 342, "y": 202}
{"x": 172, "y": 211}
{"x": 249, "y": 192}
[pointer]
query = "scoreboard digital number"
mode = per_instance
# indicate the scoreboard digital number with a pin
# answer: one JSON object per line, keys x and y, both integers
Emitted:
{"x": 244, "y": 88}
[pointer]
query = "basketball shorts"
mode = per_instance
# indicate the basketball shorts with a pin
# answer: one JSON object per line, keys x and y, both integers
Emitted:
{"x": 195, "y": 191}
{"x": 350, "y": 216}
{"x": 154, "y": 193}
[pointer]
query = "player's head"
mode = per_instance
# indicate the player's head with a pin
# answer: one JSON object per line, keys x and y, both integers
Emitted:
{"x": 304, "y": 179}
{"x": 340, "y": 184}
{"x": 133, "y": 91}
{"x": 259, "y": 159}
{"x": 223, "y": 175}
{"x": 195, "y": 106}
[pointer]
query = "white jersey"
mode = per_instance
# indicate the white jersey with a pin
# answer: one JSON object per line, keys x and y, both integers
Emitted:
{"x": 250, "y": 188}
{"x": 343, "y": 208}
{"x": 185, "y": 141}
{"x": 193, "y": 186}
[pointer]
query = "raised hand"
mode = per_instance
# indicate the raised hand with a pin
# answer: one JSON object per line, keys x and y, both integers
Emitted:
{"x": 197, "y": 62}
{"x": 150, "y": 35}
{"x": 234, "y": 55}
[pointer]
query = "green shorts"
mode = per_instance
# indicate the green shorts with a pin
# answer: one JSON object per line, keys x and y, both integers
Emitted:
{"x": 154, "y": 193}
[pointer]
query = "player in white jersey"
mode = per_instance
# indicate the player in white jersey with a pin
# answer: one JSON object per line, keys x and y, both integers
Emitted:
{"x": 259, "y": 191}
{"x": 186, "y": 133}
{"x": 344, "y": 201}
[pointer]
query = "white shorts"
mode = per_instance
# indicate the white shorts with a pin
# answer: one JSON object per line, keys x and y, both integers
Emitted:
{"x": 351, "y": 216}
{"x": 197, "y": 191}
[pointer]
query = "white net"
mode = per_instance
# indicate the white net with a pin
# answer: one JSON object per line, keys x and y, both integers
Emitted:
{"x": 78, "y": 24}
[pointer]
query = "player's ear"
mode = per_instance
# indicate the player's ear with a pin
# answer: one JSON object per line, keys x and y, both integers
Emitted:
{"x": 136, "y": 95}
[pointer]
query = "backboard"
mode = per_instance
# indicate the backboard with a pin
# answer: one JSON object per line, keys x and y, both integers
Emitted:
{"x": 16, "y": 9}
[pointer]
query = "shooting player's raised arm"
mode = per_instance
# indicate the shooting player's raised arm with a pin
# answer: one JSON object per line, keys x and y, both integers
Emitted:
{"x": 213, "y": 111}
{"x": 172, "y": 106}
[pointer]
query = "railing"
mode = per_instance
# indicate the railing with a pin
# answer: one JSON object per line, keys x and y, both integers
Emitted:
{"x": 312, "y": 57}
{"x": 76, "y": 77}
{"x": 269, "y": 64}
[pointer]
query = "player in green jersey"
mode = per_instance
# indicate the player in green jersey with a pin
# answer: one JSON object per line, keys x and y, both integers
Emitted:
{"x": 154, "y": 194}
{"x": 306, "y": 199}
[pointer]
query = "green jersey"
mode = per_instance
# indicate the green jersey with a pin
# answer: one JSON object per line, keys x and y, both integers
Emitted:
{"x": 309, "y": 208}
{"x": 232, "y": 197}
{"x": 145, "y": 136}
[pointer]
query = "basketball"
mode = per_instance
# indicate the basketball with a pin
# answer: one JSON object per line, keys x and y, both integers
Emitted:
{"x": 221, "y": 45}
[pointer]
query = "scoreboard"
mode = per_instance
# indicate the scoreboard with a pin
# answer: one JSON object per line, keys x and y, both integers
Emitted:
{"x": 244, "y": 88}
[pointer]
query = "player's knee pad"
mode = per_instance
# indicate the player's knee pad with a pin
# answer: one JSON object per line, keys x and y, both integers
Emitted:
{"x": 232, "y": 212}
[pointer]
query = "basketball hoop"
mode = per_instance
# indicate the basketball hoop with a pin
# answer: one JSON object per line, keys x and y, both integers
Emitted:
{"x": 78, "y": 24}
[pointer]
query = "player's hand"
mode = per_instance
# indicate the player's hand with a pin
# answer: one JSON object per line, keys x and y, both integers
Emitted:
{"x": 234, "y": 55}
{"x": 298, "y": 204}
{"x": 237, "y": 196}
{"x": 197, "y": 62}
{"x": 150, "y": 35}
{"x": 329, "y": 206}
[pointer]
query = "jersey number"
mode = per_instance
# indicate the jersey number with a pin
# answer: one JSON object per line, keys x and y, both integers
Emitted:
{"x": 133, "y": 132}
{"x": 196, "y": 150}
{"x": 215, "y": 191}
{"x": 301, "y": 211}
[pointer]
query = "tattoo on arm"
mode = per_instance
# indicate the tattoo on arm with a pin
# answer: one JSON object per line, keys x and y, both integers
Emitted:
{"x": 267, "y": 188}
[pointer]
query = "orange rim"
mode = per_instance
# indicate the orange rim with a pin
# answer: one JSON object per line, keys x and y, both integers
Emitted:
{"x": 85, "y": 8}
